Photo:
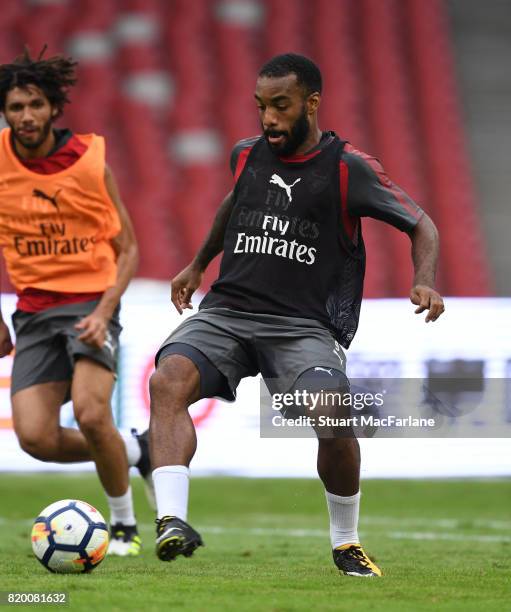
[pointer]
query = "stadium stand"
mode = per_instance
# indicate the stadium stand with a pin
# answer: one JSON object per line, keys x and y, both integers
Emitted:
{"x": 481, "y": 43}
{"x": 170, "y": 85}
{"x": 449, "y": 176}
{"x": 344, "y": 111}
{"x": 391, "y": 109}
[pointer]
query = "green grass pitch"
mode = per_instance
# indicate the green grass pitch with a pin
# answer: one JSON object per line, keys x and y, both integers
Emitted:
{"x": 443, "y": 545}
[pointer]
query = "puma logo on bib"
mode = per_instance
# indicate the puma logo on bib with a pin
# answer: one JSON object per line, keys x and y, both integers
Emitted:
{"x": 277, "y": 180}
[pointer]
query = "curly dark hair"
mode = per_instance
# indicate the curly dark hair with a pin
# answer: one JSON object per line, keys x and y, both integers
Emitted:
{"x": 307, "y": 73}
{"x": 54, "y": 76}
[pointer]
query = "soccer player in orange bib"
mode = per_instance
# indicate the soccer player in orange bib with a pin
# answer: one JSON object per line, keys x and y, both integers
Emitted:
{"x": 70, "y": 252}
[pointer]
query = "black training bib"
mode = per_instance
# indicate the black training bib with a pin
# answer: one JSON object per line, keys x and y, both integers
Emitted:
{"x": 285, "y": 250}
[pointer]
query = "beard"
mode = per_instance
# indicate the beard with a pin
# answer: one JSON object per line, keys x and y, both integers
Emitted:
{"x": 293, "y": 139}
{"x": 33, "y": 144}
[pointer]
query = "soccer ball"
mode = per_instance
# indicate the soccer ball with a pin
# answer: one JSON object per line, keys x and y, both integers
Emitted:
{"x": 70, "y": 537}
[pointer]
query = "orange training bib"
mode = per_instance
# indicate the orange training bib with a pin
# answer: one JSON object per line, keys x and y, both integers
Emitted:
{"x": 55, "y": 229}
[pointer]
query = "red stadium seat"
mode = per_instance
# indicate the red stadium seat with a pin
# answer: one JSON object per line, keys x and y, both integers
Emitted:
{"x": 284, "y": 28}
{"x": 94, "y": 15}
{"x": 52, "y": 19}
{"x": 238, "y": 66}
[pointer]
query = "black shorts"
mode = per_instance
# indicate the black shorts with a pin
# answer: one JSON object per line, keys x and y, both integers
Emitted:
{"x": 47, "y": 345}
{"x": 240, "y": 344}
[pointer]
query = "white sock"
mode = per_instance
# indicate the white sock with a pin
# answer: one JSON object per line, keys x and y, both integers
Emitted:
{"x": 133, "y": 451}
{"x": 121, "y": 509}
{"x": 343, "y": 513}
{"x": 171, "y": 483}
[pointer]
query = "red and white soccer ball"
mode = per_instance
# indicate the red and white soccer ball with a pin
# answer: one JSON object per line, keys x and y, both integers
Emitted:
{"x": 70, "y": 537}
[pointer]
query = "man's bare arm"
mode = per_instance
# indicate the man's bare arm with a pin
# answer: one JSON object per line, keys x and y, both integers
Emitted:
{"x": 5, "y": 338}
{"x": 425, "y": 247}
{"x": 214, "y": 242}
{"x": 95, "y": 325}
{"x": 189, "y": 279}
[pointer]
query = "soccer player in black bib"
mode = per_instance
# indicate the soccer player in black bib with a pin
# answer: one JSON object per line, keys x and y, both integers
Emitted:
{"x": 288, "y": 296}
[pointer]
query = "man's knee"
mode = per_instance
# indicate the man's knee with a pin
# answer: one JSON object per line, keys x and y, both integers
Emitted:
{"x": 176, "y": 379}
{"x": 93, "y": 416}
{"x": 39, "y": 445}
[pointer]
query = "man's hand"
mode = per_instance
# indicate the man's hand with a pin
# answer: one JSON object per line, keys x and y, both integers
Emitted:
{"x": 427, "y": 299}
{"x": 94, "y": 328}
{"x": 184, "y": 286}
{"x": 5, "y": 340}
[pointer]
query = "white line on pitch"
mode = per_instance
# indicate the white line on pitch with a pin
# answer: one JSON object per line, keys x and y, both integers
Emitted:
{"x": 323, "y": 533}
{"x": 435, "y": 535}
{"x": 263, "y": 531}
{"x": 444, "y": 523}
{"x": 394, "y": 535}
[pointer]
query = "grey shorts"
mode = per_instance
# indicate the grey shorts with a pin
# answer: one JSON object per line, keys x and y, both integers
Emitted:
{"x": 47, "y": 346}
{"x": 244, "y": 344}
